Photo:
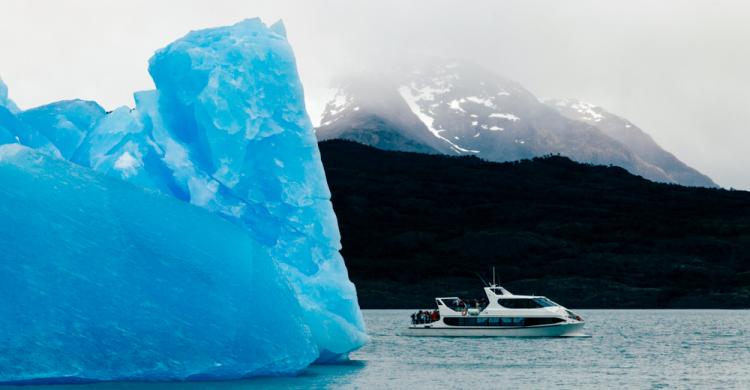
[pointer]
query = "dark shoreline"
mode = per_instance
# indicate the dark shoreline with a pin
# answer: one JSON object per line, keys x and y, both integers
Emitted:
{"x": 380, "y": 295}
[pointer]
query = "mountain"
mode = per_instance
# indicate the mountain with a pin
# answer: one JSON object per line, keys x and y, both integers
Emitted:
{"x": 633, "y": 137}
{"x": 415, "y": 226}
{"x": 377, "y": 116}
{"x": 462, "y": 109}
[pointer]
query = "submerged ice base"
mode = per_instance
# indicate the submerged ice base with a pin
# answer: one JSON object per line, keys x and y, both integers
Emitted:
{"x": 226, "y": 130}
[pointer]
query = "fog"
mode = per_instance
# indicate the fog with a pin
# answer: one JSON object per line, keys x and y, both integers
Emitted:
{"x": 678, "y": 69}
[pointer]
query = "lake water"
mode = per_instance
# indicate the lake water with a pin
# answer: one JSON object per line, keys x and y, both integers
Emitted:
{"x": 627, "y": 349}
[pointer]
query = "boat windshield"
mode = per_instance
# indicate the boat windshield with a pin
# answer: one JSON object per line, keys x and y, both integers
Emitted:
{"x": 544, "y": 302}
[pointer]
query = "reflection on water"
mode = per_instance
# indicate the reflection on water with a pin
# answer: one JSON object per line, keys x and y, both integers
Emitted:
{"x": 628, "y": 348}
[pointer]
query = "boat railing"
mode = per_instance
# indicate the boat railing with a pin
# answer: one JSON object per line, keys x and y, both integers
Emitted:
{"x": 460, "y": 305}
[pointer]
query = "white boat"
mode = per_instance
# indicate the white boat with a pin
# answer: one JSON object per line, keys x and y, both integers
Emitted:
{"x": 502, "y": 315}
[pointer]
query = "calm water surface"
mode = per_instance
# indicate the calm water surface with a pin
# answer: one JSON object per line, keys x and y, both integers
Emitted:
{"x": 627, "y": 349}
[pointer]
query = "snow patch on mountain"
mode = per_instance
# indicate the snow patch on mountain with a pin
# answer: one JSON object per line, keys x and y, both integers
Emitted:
{"x": 339, "y": 103}
{"x": 482, "y": 101}
{"x": 428, "y": 94}
{"x": 456, "y": 105}
{"x": 507, "y": 116}
{"x": 588, "y": 112}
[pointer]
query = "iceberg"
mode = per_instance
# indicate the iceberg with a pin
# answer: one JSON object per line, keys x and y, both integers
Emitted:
{"x": 225, "y": 131}
{"x": 233, "y": 98}
{"x": 101, "y": 281}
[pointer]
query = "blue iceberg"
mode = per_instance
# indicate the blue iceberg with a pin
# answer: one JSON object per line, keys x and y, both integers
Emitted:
{"x": 227, "y": 132}
{"x": 101, "y": 280}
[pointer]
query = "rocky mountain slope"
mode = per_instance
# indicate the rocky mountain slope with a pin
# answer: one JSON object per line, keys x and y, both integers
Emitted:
{"x": 633, "y": 137}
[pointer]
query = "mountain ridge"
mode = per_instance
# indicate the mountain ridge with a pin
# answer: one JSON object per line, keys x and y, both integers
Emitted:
{"x": 460, "y": 108}
{"x": 629, "y": 134}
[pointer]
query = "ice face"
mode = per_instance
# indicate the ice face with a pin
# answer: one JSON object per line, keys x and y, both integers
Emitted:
{"x": 99, "y": 282}
{"x": 64, "y": 123}
{"x": 4, "y": 101}
{"x": 120, "y": 145}
{"x": 8, "y": 126}
{"x": 232, "y": 96}
{"x": 227, "y": 130}
{"x": 13, "y": 130}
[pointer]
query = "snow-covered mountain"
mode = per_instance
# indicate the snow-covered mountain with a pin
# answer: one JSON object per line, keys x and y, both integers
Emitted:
{"x": 463, "y": 109}
{"x": 633, "y": 137}
{"x": 376, "y": 115}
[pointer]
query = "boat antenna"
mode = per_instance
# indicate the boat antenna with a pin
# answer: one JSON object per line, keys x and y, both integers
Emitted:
{"x": 493, "y": 276}
{"x": 481, "y": 278}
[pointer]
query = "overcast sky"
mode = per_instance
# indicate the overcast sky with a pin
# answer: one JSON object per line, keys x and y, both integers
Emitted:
{"x": 679, "y": 69}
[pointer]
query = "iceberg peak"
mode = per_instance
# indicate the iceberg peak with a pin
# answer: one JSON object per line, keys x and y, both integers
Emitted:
{"x": 4, "y": 100}
{"x": 279, "y": 28}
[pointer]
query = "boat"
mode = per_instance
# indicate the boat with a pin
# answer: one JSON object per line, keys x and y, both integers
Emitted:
{"x": 502, "y": 314}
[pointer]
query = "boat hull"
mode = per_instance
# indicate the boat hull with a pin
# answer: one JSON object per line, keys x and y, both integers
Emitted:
{"x": 557, "y": 330}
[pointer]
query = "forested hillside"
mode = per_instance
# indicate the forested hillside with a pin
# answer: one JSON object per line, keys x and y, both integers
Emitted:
{"x": 415, "y": 226}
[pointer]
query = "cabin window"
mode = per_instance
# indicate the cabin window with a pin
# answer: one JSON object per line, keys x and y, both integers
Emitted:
{"x": 463, "y": 321}
{"x": 532, "y": 321}
{"x": 519, "y": 303}
{"x": 500, "y": 321}
{"x": 467, "y": 321}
